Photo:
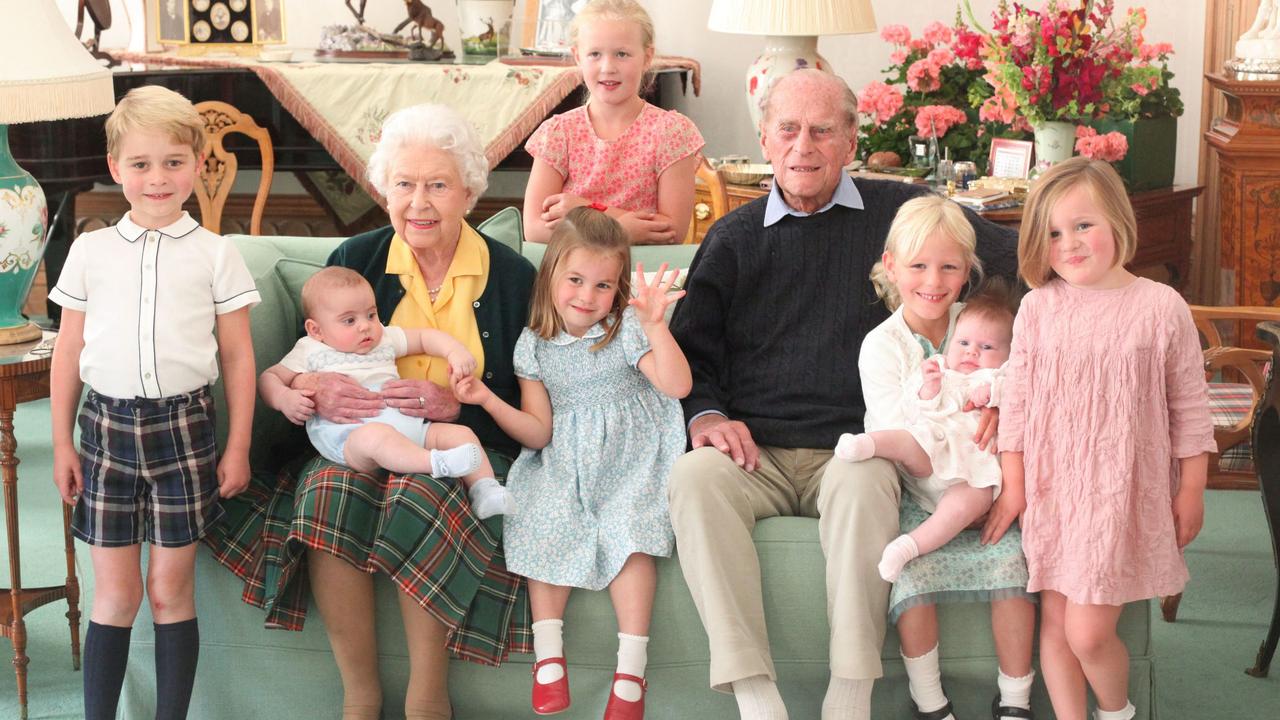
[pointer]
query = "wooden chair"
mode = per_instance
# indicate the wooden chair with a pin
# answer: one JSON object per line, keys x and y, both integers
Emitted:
{"x": 702, "y": 212}
{"x": 220, "y": 165}
{"x": 1236, "y": 386}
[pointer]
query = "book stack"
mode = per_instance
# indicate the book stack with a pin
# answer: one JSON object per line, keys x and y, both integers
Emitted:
{"x": 981, "y": 199}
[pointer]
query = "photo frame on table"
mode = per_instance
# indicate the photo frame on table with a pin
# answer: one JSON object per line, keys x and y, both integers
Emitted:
{"x": 546, "y": 25}
{"x": 1010, "y": 158}
{"x": 240, "y": 26}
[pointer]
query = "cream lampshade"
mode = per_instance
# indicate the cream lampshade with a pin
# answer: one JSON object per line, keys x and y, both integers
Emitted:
{"x": 791, "y": 29}
{"x": 45, "y": 74}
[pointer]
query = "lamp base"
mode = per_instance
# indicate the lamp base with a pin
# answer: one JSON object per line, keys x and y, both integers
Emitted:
{"x": 20, "y": 334}
{"x": 781, "y": 55}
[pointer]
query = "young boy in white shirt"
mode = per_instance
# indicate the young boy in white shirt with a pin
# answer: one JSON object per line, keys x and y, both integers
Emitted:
{"x": 140, "y": 303}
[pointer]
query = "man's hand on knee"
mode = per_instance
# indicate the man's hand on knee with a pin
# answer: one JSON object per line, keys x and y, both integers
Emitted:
{"x": 731, "y": 437}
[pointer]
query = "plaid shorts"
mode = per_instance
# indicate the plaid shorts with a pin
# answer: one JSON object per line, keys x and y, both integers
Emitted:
{"x": 150, "y": 470}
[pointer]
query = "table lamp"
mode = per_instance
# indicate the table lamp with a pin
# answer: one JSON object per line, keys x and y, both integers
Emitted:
{"x": 791, "y": 29}
{"x": 45, "y": 74}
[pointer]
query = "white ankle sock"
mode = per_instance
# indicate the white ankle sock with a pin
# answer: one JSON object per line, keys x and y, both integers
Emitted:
{"x": 548, "y": 642}
{"x": 456, "y": 462}
{"x": 633, "y": 655}
{"x": 1016, "y": 692}
{"x": 924, "y": 681}
{"x": 489, "y": 498}
{"x": 758, "y": 699}
{"x": 855, "y": 448}
{"x": 1125, "y": 713}
{"x": 847, "y": 699}
{"x": 900, "y": 551}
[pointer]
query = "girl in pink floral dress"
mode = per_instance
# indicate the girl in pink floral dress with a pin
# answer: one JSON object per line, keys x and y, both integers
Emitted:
{"x": 617, "y": 153}
{"x": 1105, "y": 427}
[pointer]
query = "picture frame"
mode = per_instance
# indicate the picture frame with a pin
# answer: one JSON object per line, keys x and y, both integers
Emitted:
{"x": 198, "y": 26}
{"x": 1010, "y": 158}
{"x": 546, "y": 26}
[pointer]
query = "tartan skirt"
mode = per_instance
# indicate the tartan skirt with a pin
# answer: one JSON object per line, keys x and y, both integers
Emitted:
{"x": 416, "y": 529}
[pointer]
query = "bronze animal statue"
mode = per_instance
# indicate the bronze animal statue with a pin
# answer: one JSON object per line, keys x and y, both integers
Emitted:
{"x": 422, "y": 19}
{"x": 488, "y": 35}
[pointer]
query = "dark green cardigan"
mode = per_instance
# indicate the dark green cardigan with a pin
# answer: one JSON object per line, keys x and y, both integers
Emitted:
{"x": 501, "y": 314}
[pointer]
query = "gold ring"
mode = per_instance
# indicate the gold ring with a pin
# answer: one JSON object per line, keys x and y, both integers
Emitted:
{"x": 422, "y": 402}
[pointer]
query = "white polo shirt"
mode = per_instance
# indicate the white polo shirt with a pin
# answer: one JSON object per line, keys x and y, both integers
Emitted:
{"x": 150, "y": 298}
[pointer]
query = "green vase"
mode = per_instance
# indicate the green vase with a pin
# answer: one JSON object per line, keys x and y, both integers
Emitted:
{"x": 23, "y": 221}
{"x": 1153, "y": 148}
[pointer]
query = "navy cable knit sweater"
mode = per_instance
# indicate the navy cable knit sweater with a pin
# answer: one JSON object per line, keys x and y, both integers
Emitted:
{"x": 774, "y": 317}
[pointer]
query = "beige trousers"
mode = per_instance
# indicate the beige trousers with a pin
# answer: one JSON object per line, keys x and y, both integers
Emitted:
{"x": 714, "y": 507}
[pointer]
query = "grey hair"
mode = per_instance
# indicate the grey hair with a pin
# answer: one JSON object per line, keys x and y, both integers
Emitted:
{"x": 848, "y": 101}
{"x": 433, "y": 125}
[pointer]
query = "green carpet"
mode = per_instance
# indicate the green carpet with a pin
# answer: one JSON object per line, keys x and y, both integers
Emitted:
{"x": 1200, "y": 660}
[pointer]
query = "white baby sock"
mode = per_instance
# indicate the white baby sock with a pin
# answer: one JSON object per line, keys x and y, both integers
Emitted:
{"x": 456, "y": 462}
{"x": 900, "y": 551}
{"x": 1015, "y": 692}
{"x": 855, "y": 448}
{"x": 489, "y": 498}
{"x": 924, "y": 682}
{"x": 847, "y": 699}
{"x": 758, "y": 699}
{"x": 1125, "y": 713}
{"x": 633, "y": 656}
{"x": 548, "y": 642}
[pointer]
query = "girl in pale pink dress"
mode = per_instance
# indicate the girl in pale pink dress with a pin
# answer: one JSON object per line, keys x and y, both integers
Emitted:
{"x": 1105, "y": 426}
{"x": 617, "y": 154}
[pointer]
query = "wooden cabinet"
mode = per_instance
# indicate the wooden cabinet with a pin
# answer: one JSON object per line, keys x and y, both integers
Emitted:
{"x": 1163, "y": 216}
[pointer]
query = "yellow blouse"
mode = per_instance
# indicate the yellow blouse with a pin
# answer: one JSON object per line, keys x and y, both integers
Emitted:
{"x": 453, "y": 311}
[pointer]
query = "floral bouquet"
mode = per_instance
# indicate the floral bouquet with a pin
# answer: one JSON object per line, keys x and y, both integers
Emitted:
{"x": 933, "y": 89}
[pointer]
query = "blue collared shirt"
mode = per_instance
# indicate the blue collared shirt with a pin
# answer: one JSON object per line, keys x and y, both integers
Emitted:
{"x": 846, "y": 194}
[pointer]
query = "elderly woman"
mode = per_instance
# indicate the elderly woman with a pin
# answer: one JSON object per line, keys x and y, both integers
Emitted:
{"x": 429, "y": 269}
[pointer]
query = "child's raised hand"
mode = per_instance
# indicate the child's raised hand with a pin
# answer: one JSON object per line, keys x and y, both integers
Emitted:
{"x": 470, "y": 390}
{"x": 1188, "y": 516}
{"x": 461, "y": 364}
{"x": 298, "y": 406}
{"x": 932, "y": 379}
{"x": 652, "y": 298}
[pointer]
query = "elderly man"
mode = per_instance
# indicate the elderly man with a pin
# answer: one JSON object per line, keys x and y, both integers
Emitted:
{"x": 778, "y": 303}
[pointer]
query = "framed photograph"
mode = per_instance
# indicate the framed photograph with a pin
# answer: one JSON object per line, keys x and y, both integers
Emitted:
{"x": 1010, "y": 158}
{"x": 270, "y": 21}
{"x": 238, "y": 26}
{"x": 546, "y": 25}
{"x": 171, "y": 21}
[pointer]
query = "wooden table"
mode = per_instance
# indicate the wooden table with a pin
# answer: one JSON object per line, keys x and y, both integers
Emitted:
{"x": 1164, "y": 224}
{"x": 24, "y": 375}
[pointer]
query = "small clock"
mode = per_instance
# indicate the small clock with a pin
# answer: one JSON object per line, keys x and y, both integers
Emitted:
{"x": 202, "y": 26}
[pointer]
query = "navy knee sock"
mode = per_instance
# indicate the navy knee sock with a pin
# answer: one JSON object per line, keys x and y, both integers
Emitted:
{"x": 177, "y": 652}
{"x": 106, "y": 655}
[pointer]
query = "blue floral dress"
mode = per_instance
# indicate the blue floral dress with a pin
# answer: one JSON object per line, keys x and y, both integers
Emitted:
{"x": 598, "y": 492}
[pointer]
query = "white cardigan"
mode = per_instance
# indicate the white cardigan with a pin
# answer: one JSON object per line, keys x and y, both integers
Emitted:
{"x": 889, "y": 357}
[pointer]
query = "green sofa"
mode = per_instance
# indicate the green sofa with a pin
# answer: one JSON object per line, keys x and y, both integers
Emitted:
{"x": 247, "y": 671}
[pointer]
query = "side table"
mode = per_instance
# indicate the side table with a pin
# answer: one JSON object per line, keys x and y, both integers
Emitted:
{"x": 24, "y": 375}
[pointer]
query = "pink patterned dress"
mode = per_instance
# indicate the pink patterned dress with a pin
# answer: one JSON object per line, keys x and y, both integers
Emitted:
{"x": 622, "y": 172}
{"x": 1105, "y": 389}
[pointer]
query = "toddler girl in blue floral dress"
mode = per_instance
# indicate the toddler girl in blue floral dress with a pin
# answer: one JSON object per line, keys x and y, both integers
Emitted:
{"x": 601, "y": 425}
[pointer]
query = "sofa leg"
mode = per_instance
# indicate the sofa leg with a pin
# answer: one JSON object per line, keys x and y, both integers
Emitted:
{"x": 1169, "y": 607}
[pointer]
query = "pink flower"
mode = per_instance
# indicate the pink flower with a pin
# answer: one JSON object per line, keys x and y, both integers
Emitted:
{"x": 936, "y": 120}
{"x": 937, "y": 33}
{"x": 897, "y": 57}
{"x": 1111, "y": 147}
{"x": 923, "y": 77}
{"x": 1158, "y": 51}
{"x": 940, "y": 57}
{"x": 896, "y": 34}
{"x": 880, "y": 101}
{"x": 1139, "y": 88}
{"x": 921, "y": 44}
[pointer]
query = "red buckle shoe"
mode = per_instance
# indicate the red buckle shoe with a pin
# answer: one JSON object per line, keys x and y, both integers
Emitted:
{"x": 619, "y": 709}
{"x": 553, "y": 697}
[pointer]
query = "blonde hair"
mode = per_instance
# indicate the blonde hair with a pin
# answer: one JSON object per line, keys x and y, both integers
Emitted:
{"x": 1034, "y": 243}
{"x": 327, "y": 280}
{"x": 916, "y": 220}
{"x": 152, "y": 107}
{"x": 585, "y": 229}
{"x": 621, "y": 11}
